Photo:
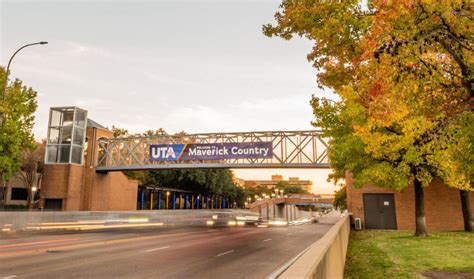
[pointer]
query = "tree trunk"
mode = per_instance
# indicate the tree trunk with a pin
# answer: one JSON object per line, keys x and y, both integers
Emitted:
{"x": 466, "y": 211}
{"x": 420, "y": 210}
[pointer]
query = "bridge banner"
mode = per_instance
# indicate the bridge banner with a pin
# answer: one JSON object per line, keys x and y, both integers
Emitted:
{"x": 211, "y": 151}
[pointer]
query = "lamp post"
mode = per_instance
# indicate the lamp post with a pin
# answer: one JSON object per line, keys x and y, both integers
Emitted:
{"x": 33, "y": 194}
{"x": 4, "y": 89}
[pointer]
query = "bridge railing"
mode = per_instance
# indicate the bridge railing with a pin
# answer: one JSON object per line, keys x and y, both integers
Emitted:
{"x": 290, "y": 149}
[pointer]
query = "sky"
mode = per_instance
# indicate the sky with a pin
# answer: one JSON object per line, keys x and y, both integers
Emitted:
{"x": 194, "y": 66}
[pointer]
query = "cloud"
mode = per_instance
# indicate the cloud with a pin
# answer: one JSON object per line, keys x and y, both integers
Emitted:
{"x": 162, "y": 78}
{"x": 80, "y": 49}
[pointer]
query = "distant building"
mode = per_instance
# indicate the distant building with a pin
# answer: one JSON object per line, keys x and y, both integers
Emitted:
{"x": 293, "y": 181}
{"x": 15, "y": 192}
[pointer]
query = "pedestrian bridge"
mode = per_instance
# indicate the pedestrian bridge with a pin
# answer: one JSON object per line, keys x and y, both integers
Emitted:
{"x": 271, "y": 149}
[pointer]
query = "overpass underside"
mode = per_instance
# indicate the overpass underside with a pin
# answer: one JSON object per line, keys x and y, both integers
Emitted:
{"x": 273, "y": 149}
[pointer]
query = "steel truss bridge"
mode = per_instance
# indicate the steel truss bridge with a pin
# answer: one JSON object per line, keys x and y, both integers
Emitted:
{"x": 291, "y": 149}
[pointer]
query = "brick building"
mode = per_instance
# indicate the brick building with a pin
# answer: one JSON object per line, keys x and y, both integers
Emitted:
{"x": 70, "y": 181}
{"x": 380, "y": 208}
{"x": 270, "y": 184}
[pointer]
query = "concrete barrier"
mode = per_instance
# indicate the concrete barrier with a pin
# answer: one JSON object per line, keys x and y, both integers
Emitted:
{"x": 325, "y": 258}
{"x": 19, "y": 221}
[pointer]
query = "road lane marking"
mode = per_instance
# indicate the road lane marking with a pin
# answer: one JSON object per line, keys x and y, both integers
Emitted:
{"x": 212, "y": 230}
{"x": 37, "y": 242}
{"x": 156, "y": 249}
{"x": 219, "y": 237}
{"x": 225, "y": 253}
{"x": 8, "y": 277}
{"x": 268, "y": 239}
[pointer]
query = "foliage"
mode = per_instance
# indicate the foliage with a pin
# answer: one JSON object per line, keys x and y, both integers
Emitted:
{"x": 16, "y": 135}
{"x": 32, "y": 168}
{"x": 290, "y": 189}
{"x": 404, "y": 72}
{"x": 205, "y": 181}
{"x": 119, "y": 132}
{"x": 340, "y": 198}
{"x": 374, "y": 254}
{"x": 257, "y": 191}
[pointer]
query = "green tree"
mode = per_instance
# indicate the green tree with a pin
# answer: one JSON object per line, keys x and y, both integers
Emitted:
{"x": 18, "y": 106}
{"x": 119, "y": 132}
{"x": 205, "y": 181}
{"x": 31, "y": 170}
{"x": 403, "y": 70}
{"x": 290, "y": 189}
{"x": 340, "y": 198}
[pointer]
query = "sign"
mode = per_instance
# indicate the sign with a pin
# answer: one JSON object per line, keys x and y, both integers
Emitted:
{"x": 211, "y": 151}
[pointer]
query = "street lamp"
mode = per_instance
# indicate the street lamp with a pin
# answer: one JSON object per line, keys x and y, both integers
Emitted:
{"x": 33, "y": 191}
{"x": 4, "y": 89}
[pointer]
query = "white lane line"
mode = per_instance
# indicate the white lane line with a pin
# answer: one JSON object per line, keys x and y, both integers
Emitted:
{"x": 8, "y": 277}
{"x": 212, "y": 230}
{"x": 225, "y": 253}
{"x": 268, "y": 239}
{"x": 219, "y": 237}
{"x": 156, "y": 249}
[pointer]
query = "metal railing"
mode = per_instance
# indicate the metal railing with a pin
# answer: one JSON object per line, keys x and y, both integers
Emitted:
{"x": 290, "y": 149}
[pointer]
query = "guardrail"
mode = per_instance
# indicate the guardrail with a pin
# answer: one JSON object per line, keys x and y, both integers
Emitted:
{"x": 323, "y": 259}
{"x": 86, "y": 220}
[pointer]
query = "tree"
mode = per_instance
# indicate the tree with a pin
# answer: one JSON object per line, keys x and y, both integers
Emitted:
{"x": 340, "y": 198}
{"x": 403, "y": 70}
{"x": 31, "y": 169}
{"x": 119, "y": 132}
{"x": 205, "y": 181}
{"x": 18, "y": 106}
{"x": 290, "y": 189}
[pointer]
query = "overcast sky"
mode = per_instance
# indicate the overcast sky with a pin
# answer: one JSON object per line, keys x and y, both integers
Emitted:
{"x": 197, "y": 66}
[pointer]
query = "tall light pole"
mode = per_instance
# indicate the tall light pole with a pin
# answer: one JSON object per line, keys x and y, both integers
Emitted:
{"x": 4, "y": 89}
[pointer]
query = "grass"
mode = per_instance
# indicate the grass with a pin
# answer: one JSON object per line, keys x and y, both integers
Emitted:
{"x": 396, "y": 254}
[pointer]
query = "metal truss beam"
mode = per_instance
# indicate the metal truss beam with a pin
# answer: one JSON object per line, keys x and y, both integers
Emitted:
{"x": 291, "y": 149}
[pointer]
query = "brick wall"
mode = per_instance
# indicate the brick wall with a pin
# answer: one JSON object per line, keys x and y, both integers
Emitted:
{"x": 81, "y": 188}
{"x": 442, "y": 205}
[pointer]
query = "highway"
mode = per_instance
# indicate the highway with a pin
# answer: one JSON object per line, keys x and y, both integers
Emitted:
{"x": 197, "y": 252}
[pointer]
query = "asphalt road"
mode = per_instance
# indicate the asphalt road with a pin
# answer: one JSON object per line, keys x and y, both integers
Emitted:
{"x": 247, "y": 252}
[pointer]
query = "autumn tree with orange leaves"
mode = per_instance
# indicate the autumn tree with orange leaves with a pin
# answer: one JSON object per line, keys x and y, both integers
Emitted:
{"x": 404, "y": 72}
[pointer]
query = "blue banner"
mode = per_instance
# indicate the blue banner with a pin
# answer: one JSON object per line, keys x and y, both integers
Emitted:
{"x": 211, "y": 151}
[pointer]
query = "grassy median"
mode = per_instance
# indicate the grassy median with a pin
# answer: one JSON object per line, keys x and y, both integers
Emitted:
{"x": 393, "y": 254}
